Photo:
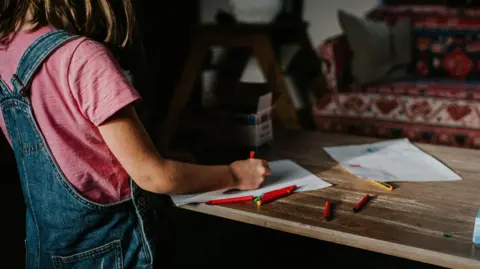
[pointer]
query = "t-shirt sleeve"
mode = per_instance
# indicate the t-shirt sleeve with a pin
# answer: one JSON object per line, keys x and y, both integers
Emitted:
{"x": 97, "y": 82}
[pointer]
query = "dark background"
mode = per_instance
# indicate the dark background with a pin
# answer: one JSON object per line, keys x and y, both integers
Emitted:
{"x": 459, "y": 3}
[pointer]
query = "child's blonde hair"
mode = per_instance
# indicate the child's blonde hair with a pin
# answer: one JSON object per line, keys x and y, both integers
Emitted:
{"x": 92, "y": 18}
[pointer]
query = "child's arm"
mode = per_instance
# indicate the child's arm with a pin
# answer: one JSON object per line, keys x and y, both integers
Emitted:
{"x": 129, "y": 142}
{"x": 104, "y": 96}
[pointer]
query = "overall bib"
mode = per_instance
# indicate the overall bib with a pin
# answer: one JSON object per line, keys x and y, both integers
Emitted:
{"x": 65, "y": 230}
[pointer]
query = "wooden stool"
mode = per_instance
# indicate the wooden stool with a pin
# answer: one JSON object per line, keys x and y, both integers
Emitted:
{"x": 254, "y": 36}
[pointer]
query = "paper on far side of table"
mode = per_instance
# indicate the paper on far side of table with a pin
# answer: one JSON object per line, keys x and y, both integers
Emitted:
{"x": 284, "y": 173}
{"x": 391, "y": 161}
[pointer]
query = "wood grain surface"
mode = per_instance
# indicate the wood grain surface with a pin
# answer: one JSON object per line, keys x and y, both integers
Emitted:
{"x": 409, "y": 222}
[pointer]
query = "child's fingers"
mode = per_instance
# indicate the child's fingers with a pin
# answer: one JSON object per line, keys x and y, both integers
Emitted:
{"x": 268, "y": 171}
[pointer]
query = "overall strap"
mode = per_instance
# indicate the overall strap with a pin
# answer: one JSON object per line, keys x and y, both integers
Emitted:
{"x": 35, "y": 55}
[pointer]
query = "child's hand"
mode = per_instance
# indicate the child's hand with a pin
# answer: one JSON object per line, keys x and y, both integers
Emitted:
{"x": 249, "y": 174}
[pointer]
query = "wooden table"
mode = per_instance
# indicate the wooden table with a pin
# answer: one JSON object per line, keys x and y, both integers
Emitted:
{"x": 409, "y": 222}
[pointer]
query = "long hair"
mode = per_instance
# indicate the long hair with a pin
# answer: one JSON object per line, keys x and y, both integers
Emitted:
{"x": 98, "y": 19}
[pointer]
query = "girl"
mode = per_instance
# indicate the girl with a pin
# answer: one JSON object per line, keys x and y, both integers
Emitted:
{"x": 67, "y": 111}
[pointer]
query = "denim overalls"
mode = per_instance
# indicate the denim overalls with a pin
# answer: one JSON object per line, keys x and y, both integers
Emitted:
{"x": 65, "y": 230}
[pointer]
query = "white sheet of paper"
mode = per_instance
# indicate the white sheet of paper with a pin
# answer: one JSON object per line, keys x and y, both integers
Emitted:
{"x": 390, "y": 161}
{"x": 284, "y": 173}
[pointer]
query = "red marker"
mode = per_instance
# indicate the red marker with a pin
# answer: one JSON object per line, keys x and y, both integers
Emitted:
{"x": 252, "y": 154}
{"x": 289, "y": 188}
{"x": 274, "y": 196}
{"x": 361, "y": 203}
{"x": 327, "y": 210}
{"x": 279, "y": 192}
{"x": 230, "y": 200}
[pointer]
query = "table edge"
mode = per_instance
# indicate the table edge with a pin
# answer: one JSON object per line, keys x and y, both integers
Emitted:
{"x": 343, "y": 238}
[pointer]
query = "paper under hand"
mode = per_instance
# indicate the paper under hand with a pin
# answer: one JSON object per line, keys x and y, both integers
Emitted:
{"x": 284, "y": 173}
{"x": 390, "y": 161}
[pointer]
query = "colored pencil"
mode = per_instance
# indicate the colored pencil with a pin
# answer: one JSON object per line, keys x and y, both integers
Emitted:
{"x": 230, "y": 200}
{"x": 361, "y": 203}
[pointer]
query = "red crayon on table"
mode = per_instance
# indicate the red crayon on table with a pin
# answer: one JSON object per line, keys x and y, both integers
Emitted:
{"x": 289, "y": 188}
{"x": 252, "y": 154}
{"x": 230, "y": 200}
{"x": 277, "y": 192}
{"x": 274, "y": 196}
{"x": 327, "y": 211}
{"x": 361, "y": 203}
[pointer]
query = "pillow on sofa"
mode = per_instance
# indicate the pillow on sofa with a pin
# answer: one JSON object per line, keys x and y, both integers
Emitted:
{"x": 381, "y": 52}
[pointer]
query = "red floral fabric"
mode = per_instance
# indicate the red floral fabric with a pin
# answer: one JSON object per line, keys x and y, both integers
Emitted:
{"x": 441, "y": 106}
{"x": 418, "y": 111}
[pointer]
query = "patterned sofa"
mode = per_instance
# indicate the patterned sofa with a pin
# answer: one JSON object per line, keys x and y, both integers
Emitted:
{"x": 438, "y": 104}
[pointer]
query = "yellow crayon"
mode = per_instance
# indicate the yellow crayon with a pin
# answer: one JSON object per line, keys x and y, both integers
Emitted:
{"x": 383, "y": 184}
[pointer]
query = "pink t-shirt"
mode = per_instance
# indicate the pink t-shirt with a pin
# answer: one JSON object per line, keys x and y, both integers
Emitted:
{"x": 78, "y": 87}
